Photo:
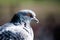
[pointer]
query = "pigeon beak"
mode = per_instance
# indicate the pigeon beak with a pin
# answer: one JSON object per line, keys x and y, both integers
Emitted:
{"x": 36, "y": 19}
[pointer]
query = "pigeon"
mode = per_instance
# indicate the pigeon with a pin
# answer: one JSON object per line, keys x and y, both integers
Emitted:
{"x": 19, "y": 27}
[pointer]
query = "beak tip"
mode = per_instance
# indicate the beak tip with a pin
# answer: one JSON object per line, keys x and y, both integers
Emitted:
{"x": 37, "y": 21}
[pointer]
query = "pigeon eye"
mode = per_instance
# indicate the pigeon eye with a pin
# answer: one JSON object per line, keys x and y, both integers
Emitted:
{"x": 30, "y": 15}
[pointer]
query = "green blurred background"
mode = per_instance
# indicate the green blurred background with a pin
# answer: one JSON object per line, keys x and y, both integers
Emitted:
{"x": 44, "y": 9}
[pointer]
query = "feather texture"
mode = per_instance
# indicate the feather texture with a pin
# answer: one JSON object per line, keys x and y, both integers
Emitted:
{"x": 19, "y": 27}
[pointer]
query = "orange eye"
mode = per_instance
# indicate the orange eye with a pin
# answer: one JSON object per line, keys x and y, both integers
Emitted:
{"x": 30, "y": 15}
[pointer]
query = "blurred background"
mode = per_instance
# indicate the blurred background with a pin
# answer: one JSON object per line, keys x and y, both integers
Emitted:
{"x": 47, "y": 11}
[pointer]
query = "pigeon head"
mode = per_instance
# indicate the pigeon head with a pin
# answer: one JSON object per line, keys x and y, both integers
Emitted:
{"x": 24, "y": 16}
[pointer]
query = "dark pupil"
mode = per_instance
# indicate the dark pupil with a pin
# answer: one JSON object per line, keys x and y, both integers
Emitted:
{"x": 31, "y": 16}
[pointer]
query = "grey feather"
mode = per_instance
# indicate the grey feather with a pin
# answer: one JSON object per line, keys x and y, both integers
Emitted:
{"x": 18, "y": 28}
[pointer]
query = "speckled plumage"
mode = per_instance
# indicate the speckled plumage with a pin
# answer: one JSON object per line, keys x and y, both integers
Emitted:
{"x": 18, "y": 28}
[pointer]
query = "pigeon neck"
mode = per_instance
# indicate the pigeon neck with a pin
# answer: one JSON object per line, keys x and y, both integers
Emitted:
{"x": 27, "y": 24}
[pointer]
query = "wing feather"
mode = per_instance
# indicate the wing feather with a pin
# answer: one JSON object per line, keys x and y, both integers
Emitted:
{"x": 8, "y": 35}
